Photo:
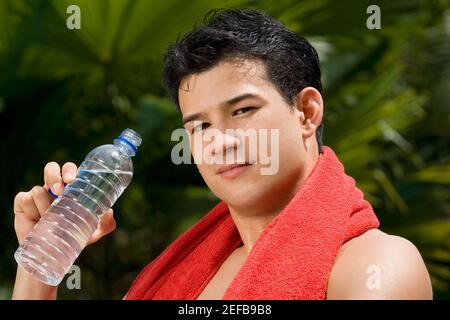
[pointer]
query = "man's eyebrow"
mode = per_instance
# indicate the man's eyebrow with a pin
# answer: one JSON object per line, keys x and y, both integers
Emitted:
{"x": 227, "y": 103}
{"x": 238, "y": 99}
{"x": 191, "y": 117}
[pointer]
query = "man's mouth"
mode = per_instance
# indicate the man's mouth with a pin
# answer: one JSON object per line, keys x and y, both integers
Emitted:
{"x": 231, "y": 171}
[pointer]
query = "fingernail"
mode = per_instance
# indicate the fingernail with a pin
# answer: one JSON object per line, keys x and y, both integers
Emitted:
{"x": 56, "y": 187}
{"x": 52, "y": 194}
{"x": 68, "y": 176}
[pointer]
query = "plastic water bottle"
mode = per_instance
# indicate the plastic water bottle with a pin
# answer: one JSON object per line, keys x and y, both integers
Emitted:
{"x": 50, "y": 249}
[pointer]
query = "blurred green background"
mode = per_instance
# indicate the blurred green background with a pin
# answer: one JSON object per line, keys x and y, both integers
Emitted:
{"x": 64, "y": 92}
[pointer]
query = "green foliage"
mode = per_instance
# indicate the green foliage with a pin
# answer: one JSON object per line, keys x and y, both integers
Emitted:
{"x": 64, "y": 92}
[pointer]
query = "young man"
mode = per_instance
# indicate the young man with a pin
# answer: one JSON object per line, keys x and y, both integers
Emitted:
{"x": 295, "y": 233}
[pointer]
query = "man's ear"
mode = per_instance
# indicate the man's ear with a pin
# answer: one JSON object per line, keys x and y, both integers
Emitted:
{"x": 310, "y": 105}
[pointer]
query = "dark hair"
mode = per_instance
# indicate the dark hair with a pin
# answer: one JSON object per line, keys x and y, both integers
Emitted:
{"x": 291, "y": 62}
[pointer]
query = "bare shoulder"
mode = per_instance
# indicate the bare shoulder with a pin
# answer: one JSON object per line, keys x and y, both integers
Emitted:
{"x": 376, "y": 265}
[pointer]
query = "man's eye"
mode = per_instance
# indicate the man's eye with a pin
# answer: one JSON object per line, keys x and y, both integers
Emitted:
{"x": 199, "y": 127}
{"x": 242, "y": 110}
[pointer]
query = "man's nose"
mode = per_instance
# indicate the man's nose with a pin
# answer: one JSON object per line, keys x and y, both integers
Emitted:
{"x": 224, "y": 147}
{"x": 225, "y": 143}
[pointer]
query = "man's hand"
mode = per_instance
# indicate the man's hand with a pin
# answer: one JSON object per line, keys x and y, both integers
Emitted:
{"x": 29, "y": 207}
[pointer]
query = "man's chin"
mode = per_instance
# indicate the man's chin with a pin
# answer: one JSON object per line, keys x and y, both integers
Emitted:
{"x": 243, "y": 199}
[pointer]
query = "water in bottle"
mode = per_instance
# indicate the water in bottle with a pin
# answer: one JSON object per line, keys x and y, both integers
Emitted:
{"x": 52, "y": 246}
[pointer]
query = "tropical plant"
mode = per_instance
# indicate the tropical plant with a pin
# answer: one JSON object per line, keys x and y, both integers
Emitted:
{"x": 63, "y": 92}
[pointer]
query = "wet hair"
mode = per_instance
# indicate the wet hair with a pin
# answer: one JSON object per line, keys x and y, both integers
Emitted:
{"x": 291, "y": 62}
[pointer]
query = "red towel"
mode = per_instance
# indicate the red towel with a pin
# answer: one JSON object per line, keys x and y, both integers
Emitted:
{"x": 291, "y": 259}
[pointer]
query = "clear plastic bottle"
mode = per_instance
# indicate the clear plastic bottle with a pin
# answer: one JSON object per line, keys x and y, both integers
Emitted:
{"x": 50, "y": 249}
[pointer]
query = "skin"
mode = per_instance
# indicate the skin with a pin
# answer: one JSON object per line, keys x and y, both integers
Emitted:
{"x": 403, "y": 273}
{"x": 29, "y": 207}
{"x": 265, "y": 195}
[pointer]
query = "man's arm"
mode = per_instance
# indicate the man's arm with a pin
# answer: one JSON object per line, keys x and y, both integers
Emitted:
{"x": 28, "y": 287}
{"x": 376, "y": 265}
{"x": 29, "y": 207}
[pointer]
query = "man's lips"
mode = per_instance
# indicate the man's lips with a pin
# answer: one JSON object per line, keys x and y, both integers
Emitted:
{"x": 232, "y": 170}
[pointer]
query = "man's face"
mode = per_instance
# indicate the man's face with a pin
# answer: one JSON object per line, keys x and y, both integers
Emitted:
{"x": 237, "y": 95}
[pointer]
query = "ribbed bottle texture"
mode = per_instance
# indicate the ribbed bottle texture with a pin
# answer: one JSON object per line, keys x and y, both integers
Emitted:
{"x": 55, "y": 242}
